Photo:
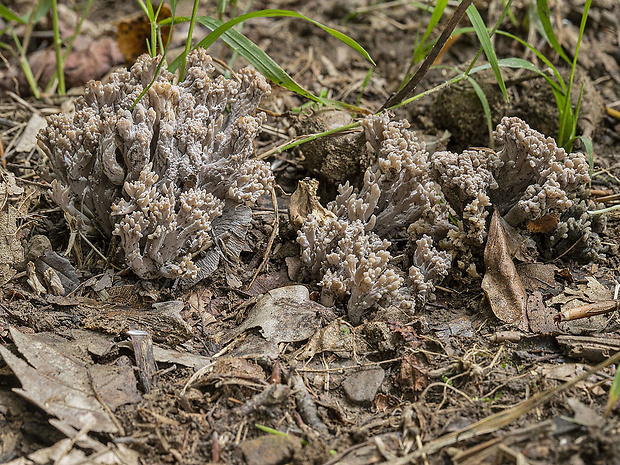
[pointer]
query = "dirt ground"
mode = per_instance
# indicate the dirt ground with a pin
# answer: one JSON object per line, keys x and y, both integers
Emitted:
{"x": 450, "y": 383}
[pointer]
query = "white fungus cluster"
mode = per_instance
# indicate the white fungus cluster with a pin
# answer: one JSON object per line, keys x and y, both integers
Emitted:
{"x": 157, "y": 170}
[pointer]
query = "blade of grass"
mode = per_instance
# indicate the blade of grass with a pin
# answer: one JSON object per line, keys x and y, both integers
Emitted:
{"x": 485, "y": 42}
{"x": 9, "y": 15}
{"x": 438, "y": 11}
{"x": 188, "y": 42}
{"x": 564, "y": 116}
{"x": 42, "y": 8}
{"x": 270, "y": 13}
{"x": 540, "y": 56}
{"x": 614, "y": 393}
{"x": 485, "y": 106}
{"x": 173, "y": 8}
{"x": 543, "y": 15}
{"x": 23, "y": 61}
{"x": 69, "y": 45}
{"x": 256, "y": 56}
{"x": 504, "y": 62}
{"x": 364, "y": 85}
{"x": 58, "y": 50}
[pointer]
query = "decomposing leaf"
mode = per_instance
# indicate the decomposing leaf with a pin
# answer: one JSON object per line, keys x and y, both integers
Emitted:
{"x": 285, "y": 314}
{"x": 413, "y": 373}
{"x": 60, "y": 385}
{"x": 28, "y": 139}
{"x": 337, "y": 337}
{"x": 11, "y": 250}
{"x": 545, "y": 225}
{"x": 304, "y": 202}
{"x": 540, "y": 318}
{"x": 501, "y": 283}
{"x": 133, "y": 32}
{"x": 65, "y": 453}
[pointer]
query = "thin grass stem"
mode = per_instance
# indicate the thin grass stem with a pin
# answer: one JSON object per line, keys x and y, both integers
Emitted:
{"x": 188, "y": 43}
{"x": 58, "y": 49}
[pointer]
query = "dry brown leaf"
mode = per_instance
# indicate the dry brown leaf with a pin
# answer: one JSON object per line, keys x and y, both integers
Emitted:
{"x": 57, "y": 384}
{"x": 135, "y": 30}
{"x": 304, "y": 201}
{"x": 544, "y": 225}
{"x": 11, "y": 250}
{"x": 501, "y": 283}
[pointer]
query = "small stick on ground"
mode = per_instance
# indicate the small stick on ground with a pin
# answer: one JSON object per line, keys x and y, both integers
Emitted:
{"x": 274, "y": 232}
{"x": 585, "y": 311}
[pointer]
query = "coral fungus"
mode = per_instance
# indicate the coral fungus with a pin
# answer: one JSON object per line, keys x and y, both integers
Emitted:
{"x": 157, "y": 171}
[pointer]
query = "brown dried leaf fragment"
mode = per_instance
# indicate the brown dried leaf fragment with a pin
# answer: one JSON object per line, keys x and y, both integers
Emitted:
{"x": 304, "y": 201}
{"x": 501, "y": 283}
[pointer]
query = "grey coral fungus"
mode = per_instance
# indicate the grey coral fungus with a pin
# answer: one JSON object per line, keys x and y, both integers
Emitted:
{"x": 157, "y": 172}
{"x": 347, "y": 248}
{"x": 528, "y": 179}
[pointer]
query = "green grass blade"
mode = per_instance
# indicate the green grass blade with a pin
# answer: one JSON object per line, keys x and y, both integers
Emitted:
{"x": 269, "y": 13}
{"x": 420, "y": 48}
{"x": 540, "y": 56}
{"x": 549, "y": 35}
{"x": 43, "y": 7}
{"x": 364, "y": 85}
{"x": 485, "y": 41}
{"x": 589, "y": 147}
{"x": 255, "y": 55}
{"x": 614, "y": 393}
{"x": 485, "y": 106}
{"x": 188, "y": 41}
{"x": 23, "y": 61}
{"x": 9, "y": 15}
{"x": 566, "y": 117}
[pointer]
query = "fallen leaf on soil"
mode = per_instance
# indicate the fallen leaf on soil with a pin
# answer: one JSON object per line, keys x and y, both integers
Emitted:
{"x": 540, "y": 318}
{"x": 501, "y": 283}
{"x": 362, "y": 386}
{"x": 11, "y": 250}
{"x": 64, "y": 453}
{"x": 134, "y": 31}
{"x": 584, "y": 415}
{"x": 591, "y": 292}
{"x": 304, "y": 202}
{"x": 413, "y": 374}
{"x": 232, "y": 367}
{"x": 544, "y": 225}
{"x": 63, "y": 386}
{"x": 28, "y": 139}
{"x": 337, "y": 337}
{"x": 591, "y": 348}
{"x": 171, "y": 356}
{"x": 285, "y": 314}
{"x": 255, "y": 347}
{"x": 266, "y": 282}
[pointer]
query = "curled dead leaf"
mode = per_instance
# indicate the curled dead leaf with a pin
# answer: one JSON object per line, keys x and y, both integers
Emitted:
{"x": 501, "y": 283}
{"x": 304, "y": 201}
{"x": 133, "y": 32}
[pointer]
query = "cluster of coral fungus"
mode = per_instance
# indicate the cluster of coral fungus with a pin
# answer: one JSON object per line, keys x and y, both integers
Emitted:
{"x": 441, "y": 202}
{"x": 158, "y": 169}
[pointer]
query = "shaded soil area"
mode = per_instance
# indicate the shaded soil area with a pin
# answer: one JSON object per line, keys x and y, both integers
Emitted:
{"x": 252, "y": 369}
